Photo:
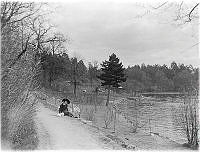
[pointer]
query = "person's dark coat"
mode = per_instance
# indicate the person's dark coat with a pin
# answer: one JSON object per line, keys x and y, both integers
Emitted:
{"x": 63, "y": 108}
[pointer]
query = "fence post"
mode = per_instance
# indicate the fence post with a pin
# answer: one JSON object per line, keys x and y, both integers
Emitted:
{"x": 72, "y": 107}
{"x": 127, "y": 111}
{"x": 149, "y": 126}
{"x": 95, "y": 102}
{"x": 114, "y": 118}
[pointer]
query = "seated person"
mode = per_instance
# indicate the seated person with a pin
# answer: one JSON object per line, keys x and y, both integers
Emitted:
{"x": 63, "y": 108}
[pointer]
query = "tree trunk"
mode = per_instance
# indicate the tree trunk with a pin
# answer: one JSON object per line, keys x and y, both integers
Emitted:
{"x": 53, "y": 50}
{"x": 107, "y": 102}
{"x": 95, "y": 103}
{"x": 131, "y": 92}
{"x": 75, "y": 83}
{"x": 91, "y": 83}
{"x": 50, "y": 79}
{"x": 75, "y": 88}
{"x": 134, "y": 93}
{"x": 74, "y": 79}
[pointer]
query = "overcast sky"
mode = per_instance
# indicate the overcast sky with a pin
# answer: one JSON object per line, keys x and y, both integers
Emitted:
{"x": 136, "y": 33}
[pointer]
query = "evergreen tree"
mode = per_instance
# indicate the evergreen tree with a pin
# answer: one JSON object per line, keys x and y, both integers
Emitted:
{"x": 112, "y": 74}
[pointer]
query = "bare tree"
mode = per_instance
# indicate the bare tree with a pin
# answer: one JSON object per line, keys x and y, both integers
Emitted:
{"x": 14, "y": 12}
{"x": 24, "y": 34}
{"x": 90, "y": 114}
{"x": 187, "y": 15}
{"x": 182, "y": 12}
{"x": 188, "y": 119}
{"x": 56, "y": 43}
{"x": 177, "y": 14}
{"x": 16, "y": 20}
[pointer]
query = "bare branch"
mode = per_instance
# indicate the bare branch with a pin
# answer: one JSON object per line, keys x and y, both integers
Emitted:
{"x": 160, "y": 5}
{"x": 189, "y": 15}
{"x": 13, "y": 12}
{"x": 179, "y": 11}
{"x": 190, "y": 47}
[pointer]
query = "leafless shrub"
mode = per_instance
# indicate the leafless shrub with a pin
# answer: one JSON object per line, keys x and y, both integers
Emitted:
{"x": 21, "y": 126}
{"x": 90, "y": 114}
{"x": 23, "y": 35}
{"x": 108, "y": 117}
{"x": 132, "y": 115}
{"x": 187, "y": 120}
{"x": 134, "y": 126}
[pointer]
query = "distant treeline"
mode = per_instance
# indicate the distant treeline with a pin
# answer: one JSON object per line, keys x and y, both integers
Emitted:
{"x": 59, "y": 68}
{"x": 176, "y": 77}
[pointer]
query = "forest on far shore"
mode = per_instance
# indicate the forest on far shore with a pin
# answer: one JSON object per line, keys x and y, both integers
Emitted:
{"x": 60, "y": 68}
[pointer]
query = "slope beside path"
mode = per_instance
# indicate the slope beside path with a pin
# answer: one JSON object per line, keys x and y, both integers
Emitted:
{"x": 59, "y": 133}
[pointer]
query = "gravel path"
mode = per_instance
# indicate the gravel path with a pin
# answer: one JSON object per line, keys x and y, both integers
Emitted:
{"x": 62, "y": 132}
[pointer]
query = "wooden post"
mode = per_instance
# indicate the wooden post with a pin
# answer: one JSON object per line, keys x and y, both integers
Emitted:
{"x": 95, "y": 103}
{"x": 114, "y": 119}
{"x": 127, "y": 111}
{"x": 149, "y": 126}
{"x": 87, "y": 99}
{"x": 83, "y": 99}
{"x": 72, "y": 107}
{"x": 108, "y": 96}
{"x": 96, "y": 96}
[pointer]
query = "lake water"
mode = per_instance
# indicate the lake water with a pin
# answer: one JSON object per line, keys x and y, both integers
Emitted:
{"x": 155, "y": 116}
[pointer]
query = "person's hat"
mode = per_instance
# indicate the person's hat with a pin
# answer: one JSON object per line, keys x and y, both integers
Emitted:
{"x": 63, "y": 100}
{"x": 68, "y": 102}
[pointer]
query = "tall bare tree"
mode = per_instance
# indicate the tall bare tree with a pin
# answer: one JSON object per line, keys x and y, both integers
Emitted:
{"x": 187, "y": 119}
{"x": 24, "y": 34}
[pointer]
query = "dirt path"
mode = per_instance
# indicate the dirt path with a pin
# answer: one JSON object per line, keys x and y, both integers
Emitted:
{"x": 62, "y": 132}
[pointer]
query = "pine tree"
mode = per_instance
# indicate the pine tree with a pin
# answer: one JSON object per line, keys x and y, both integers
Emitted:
{"x": 112, "y": 74}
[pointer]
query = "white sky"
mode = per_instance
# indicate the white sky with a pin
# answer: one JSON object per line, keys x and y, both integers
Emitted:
{"x": 100, "y": 28}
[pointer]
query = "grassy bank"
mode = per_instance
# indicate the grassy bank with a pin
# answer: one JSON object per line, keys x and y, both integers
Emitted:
{"x": 19, "y": 129}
